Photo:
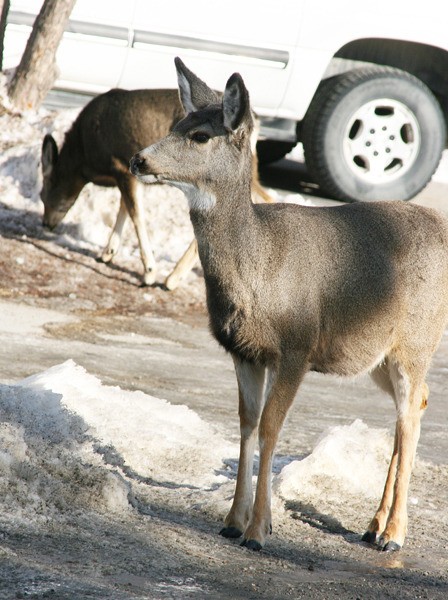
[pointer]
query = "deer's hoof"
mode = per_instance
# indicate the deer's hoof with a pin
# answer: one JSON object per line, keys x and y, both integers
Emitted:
{"x": 370, "y": 537}
{"x": 107, "y": 256}
{"x": 391, "y": 547}
{"x": 231, "y": 532}
{"x": 149, "y": 278}
{"x": 171, "y": 283}
{"x": 252, "y": 545}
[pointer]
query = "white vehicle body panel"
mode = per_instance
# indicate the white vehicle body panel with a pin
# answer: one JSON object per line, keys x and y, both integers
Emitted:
{"x": 283, "y": 49}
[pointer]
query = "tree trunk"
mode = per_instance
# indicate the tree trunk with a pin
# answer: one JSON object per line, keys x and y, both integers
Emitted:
{"x": 4, "y": 8}
{"x": 37, "y": 70}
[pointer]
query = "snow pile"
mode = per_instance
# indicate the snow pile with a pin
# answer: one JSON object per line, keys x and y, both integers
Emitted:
{"x": 348, "y": 461}
{"x": 69, "y": 443}
{"x": 153, "y": 438}
{"x": 46, "y": 464}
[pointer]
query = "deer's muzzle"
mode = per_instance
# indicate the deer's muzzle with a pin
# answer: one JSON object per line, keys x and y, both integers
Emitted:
{"x": 140, "y": 167}
{"x": 51, "y": 219}
{"x": 137, "y": 164}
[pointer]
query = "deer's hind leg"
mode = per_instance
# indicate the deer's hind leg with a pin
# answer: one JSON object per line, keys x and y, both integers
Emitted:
{"x": 410, "y": 392}
{"x": 183, "y": 266}
{"x": 250, "y": 379}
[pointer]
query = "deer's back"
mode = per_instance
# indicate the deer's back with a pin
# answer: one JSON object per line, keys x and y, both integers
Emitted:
{"x": 359, "y": 246}
{"x": 115, "y": 125}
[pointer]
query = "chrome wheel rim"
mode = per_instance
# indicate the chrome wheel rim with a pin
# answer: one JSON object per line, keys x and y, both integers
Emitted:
{"x": 381, "y": 141}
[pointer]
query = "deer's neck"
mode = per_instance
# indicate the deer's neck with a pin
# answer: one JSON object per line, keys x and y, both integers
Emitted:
{"x": 225, "y": 227}
{"x": 231, "y": 245}
{"x": 198, "y": 200}
{"x": 71, "y": 161}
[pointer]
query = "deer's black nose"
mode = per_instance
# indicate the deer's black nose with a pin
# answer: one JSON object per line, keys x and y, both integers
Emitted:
{"x": 136, "y": 163}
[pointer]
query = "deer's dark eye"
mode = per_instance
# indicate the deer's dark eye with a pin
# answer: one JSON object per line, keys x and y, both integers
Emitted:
{"x": 200, "y": 137}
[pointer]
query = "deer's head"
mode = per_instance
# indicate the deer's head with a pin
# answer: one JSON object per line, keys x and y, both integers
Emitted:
{"x": 60, "y": 186}
{"x": 210, "y": 148}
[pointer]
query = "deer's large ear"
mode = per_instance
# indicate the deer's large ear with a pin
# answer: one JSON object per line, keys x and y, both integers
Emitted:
{"x": 49, "y": 154}
{"x": 194, "y": 93}
{"x": 235, "y": 103}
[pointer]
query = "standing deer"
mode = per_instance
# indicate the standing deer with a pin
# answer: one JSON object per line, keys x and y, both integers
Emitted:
{"x": 345, "y": 290}
{"x": 98, "y": 147}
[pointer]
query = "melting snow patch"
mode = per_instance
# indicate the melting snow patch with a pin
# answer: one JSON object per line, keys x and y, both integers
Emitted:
{"x": 68, "y": 442}
{"x": 347, "y": 461}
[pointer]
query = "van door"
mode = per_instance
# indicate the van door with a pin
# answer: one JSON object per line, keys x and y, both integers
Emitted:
{"x": 93, "y": 51}
{"x": 215, "y": 39}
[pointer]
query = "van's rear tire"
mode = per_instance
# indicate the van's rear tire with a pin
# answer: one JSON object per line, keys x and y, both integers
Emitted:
{"x": 375, "y": 133}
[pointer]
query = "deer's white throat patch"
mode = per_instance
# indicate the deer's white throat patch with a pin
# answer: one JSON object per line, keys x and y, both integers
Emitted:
{"x": 197, "y": 199}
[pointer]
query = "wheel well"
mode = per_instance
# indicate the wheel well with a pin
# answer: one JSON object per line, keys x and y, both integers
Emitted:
{"x": 428, "y": 63}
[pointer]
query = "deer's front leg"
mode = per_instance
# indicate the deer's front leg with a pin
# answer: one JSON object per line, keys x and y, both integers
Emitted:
{"x": 281, "y": 389}
{"x": 250, "y": 379}
{"x": 148, "y": 260}
{"x": 131, "y": 197}
{"x": 115, "y": 237}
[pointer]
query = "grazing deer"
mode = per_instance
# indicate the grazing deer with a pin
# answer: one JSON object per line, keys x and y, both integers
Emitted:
{"x": 98, "y": 147}
{"x": 345, "y": 290}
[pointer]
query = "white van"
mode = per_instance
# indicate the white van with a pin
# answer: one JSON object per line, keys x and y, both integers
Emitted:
{"x": 364, "y": 85}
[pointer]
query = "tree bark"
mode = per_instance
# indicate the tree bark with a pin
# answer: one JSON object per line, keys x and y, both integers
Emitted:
{"x": 4, "y": 9}
{"x": 37, "y": 70}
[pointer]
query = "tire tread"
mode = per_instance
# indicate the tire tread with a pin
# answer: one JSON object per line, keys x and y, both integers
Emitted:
{"x": 328, "y": 94}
